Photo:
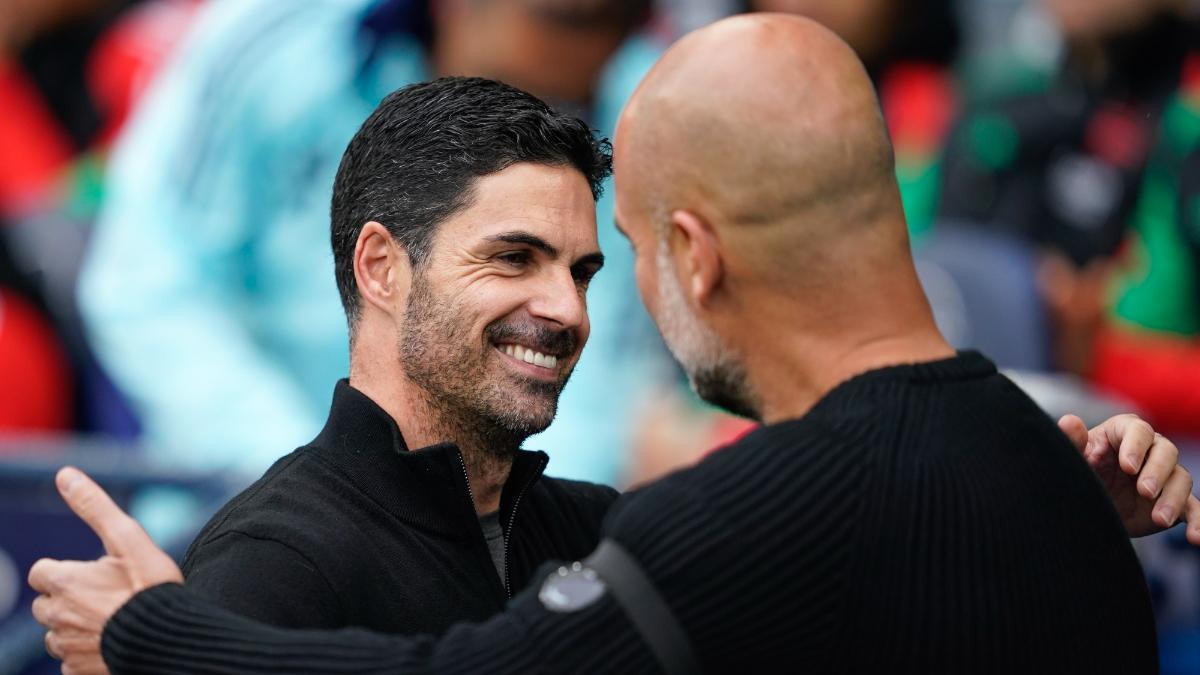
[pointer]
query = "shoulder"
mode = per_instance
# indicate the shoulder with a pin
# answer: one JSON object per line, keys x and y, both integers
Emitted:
{"x": 570, "y": 505}
{"x": 265, "y": 579}
{"x": 581, "y": 492}
{"x": 794, "y": 465}
{"x": 588, "y": 501}
{"x": 298, "y": 503}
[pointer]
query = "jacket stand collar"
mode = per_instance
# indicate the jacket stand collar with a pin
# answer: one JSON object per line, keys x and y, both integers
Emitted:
{"x": 425, "y": 487}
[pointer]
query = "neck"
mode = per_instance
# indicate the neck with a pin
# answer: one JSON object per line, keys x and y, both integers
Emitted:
{"x": 487, "y": 453}
{"x": 798, "y": 366}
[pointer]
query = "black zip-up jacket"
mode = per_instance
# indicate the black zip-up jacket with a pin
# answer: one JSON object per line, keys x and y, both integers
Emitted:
{"x": 356, "y": 530}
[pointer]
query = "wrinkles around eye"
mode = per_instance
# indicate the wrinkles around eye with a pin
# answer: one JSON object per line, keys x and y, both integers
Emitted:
{"x": 516, "y": 259}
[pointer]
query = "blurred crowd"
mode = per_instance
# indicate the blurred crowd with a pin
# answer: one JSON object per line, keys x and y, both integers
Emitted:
{"x": 165, "y": 272}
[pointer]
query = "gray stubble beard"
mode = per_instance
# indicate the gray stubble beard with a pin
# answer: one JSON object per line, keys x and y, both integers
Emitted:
{"x": 464, "y": 405}
{"x": 714, "y": 371}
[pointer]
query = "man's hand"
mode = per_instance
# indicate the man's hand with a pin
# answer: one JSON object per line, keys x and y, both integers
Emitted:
{"x": 1141, "y": 470}
{"x": 78, "y": 598}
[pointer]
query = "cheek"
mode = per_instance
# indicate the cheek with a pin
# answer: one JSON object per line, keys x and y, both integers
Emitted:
{"x": 483, "y": 303}
{"x": 647, "y": 280}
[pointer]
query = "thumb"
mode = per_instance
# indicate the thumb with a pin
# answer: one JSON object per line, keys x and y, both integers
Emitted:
{"x": 120, "y": 534}
{"x": 1075, "y": 430}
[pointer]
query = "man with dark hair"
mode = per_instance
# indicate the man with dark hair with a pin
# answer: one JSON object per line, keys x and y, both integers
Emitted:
{"x": 464, "y": 238}
{"x": 217, "y": 203}
{"x": 413, "y": 162}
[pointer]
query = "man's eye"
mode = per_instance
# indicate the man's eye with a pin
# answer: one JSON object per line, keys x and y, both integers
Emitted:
{"x": 515, "y": 258}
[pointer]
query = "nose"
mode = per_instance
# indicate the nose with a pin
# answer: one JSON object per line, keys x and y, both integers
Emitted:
{"x": 559, "y": 300}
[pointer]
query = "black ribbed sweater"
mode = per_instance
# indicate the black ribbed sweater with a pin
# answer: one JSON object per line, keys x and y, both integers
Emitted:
{"x": 924, "y": 518}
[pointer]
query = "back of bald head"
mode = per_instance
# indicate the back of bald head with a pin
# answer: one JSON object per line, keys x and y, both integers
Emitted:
{"x": 768, "y": 127}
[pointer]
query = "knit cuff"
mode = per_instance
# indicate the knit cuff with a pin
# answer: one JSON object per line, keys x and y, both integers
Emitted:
{"x": 169, "y": 630}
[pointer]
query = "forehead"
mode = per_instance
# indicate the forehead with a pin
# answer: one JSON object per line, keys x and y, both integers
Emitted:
{"x": 553, "y": 202}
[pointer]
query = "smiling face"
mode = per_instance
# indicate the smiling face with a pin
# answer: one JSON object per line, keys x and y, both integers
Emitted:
{"x": 497, "y": 316}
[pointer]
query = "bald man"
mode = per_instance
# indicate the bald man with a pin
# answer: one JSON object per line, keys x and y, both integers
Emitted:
{"x": 903, "y": 508}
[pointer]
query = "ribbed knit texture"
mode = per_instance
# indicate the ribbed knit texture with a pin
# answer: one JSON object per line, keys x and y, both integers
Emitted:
{"x": 924, "y": 519}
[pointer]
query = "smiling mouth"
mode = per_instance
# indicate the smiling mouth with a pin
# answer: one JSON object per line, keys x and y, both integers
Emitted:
{"x": 530, "y": 356}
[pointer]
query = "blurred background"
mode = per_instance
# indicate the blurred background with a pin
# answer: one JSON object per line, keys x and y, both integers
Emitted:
{"x": 169, "y": 321}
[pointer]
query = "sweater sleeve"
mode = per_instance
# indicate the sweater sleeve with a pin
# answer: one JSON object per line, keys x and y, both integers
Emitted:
{"x": 263, "y": 579}
{"x": 170, "y": 630}
{"x": 751, "y": 584}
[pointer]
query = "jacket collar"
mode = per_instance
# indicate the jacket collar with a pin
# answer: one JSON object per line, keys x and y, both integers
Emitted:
{"x": 426, "y": 487}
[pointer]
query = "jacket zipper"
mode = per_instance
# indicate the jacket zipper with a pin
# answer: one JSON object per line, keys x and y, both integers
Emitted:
{"x": 507, "y": 538}
{"x": 512, "y": 518}
{"x": 462, "y": 462}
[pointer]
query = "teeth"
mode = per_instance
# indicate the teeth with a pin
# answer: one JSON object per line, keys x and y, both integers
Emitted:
{"x": 530, "y": 356}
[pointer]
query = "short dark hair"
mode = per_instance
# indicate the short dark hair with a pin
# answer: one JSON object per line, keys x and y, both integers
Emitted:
{"x": 414, "y": 161}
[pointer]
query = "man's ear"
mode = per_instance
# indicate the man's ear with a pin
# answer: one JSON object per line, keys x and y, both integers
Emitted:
{"x": 700, "y": 255}
{"x": 382, "y": 269}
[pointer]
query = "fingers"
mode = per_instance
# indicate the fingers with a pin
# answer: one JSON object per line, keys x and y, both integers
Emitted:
{"x": 49, "y": 576}
{"x": 1192, "y": 514}
{"x": 40, "y": 575}
{"x": 63, "y": 644}
{"x": 79, "y": 652}
{"x": 49, "y": 608}
{"x": 1133, "y": 436}
{"x": 92, "y": 665}
{"x": 1174, "y": 499}
{"x": 51, "y": 642}
{"x": 1161, "y": 461}
{"x": 42, "y": 610}
{"x": 120, "y": 534}
{"x": 1075, "y": 430}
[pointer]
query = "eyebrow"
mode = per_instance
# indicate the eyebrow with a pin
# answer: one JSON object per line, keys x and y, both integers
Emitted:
{"x": 527, "y": 239}
{"x": 592, "y": 259}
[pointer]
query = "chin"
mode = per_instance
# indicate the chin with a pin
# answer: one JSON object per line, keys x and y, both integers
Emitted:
{"x": 539, "y": 422}
{"x": 727, "y": 391}
{"x": 527, "y": 417}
